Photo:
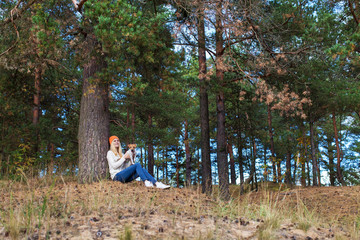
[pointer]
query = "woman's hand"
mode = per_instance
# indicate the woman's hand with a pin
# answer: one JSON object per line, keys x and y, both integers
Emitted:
{"x": 127, "y": 154}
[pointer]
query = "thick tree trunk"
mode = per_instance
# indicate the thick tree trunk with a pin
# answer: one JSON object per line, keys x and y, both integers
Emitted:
{"x": 232, "y": 163}
{"x": 187, "y": 153}
{"x": 204, "y": 109}
{"x": 313, "y": 155}
{"x": 94, "y": 123}
{"x": 150, "y": 148}
{"x": 223, "y": 167}
{"x": 272, "y": 147}
{"x": 338, "y": 168}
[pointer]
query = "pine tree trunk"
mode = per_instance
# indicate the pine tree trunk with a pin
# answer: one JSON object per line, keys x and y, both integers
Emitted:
{"x": 253, "y": 164}
{"x": 265, "y": 174}
{"x": 318, "y": 164}
{"x": 240, "y": 148}
{"x": 303, "y": 175}
{"x": 150, "y": 148}
{"x": 166, "y": 171}
{"x": 308, "y": 173}
{"x": 177, "y": 168}
{"x": 222, "y": 162}
{"x": 204, "y": 109}
{"x": 272, "y": 147}
{"x": 313, "y": 155}
{"x": 36, "y": 109}
{"x": 288, "y": 167}
{"x": 303, "y": 157}
{"x": 133, "y": 124}
{"x": 338, "y": 168}
{"x": 50, "y": 168}
{"x": 94, "y": 123}
{"x": 232, "y": 163}
{"x": 187, "y": 152}
{"x": 332, "y": 176}
{"x": 127, "y": 140}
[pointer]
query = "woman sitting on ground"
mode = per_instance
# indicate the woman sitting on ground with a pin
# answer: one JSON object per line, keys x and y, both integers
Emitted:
{"x": 123, "y": 170}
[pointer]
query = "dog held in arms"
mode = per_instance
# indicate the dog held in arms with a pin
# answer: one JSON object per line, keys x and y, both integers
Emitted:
{"x": 132, "y": 147}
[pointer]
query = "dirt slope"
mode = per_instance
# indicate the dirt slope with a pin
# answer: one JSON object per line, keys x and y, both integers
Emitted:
{"x": 111, "y": 210}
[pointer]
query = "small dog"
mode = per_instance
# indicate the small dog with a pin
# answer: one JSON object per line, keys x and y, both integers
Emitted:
{"x": 132, "y": 147}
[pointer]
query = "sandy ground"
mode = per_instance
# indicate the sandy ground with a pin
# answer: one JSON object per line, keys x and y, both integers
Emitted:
{"x": 111, "y": 210}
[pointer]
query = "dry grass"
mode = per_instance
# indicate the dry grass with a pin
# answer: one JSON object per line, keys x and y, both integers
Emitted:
{"x": 61, "y": 208}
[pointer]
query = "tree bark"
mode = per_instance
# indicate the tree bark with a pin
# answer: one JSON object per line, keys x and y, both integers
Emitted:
{"x": 36, "y": 109}
{"x": 313, "y": 155}
{"x": 133, "y": 124}
{"x": 253, "y": 164}
{"x": 265, "y": 174}
{"x": 331, "y": 165}
{"x": 288, "y": 167}
{"x": 338, "y": 167}
{"x": 204, "y": 109}
{"x": 94, "y": 122}
{"x": 272, "y": 147}
{"x": 303, "y": 157}
{"x": 232, "y": 163}
{"x": 240, "y": 147}
{"x": 177, "y": 167}
{"x": 187, "y": 153}
{"x": 222, "y": 162}
{"x": 150, "y": 148}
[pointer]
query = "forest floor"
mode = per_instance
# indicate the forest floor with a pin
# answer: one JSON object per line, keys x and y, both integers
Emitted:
{"x": 64, "y": 209}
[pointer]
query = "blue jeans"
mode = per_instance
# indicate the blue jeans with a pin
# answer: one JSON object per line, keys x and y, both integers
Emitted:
{"x": 132, "y": 172}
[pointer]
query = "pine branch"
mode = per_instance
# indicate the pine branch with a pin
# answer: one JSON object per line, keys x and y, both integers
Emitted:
{"x": 16, "y": 12}
{"x": 352, "y": 10}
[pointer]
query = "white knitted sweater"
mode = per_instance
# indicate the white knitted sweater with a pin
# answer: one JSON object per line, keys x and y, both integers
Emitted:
{"x": 117, "y": 164}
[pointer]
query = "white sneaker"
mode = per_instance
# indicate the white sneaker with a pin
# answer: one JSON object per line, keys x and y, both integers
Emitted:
{"x": 148, "y": 183}
{"x": 161, "y": 185}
